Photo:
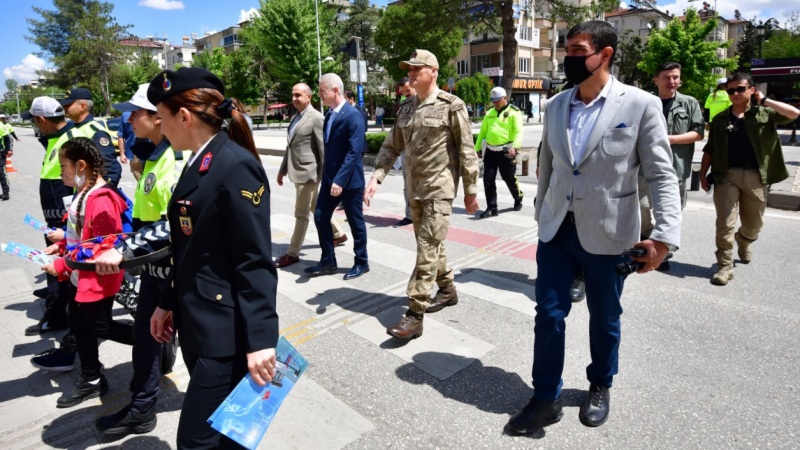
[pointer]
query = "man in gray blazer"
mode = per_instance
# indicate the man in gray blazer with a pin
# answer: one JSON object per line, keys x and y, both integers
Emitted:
{"x": 596, "y": 136}
{"x": 302, "y": 162}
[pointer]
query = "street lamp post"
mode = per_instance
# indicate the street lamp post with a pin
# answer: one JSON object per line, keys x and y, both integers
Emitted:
{"x": 319, "y": 49}
{"x": 761, "y": 30}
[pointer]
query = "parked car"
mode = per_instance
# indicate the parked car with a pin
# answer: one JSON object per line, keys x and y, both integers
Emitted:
{"x": 112, "y": 124}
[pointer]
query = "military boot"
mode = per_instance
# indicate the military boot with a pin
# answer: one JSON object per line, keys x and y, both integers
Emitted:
{"x": 446, "y": 296}
{"x": 745, "y": 254}
{"x": 409, "y": 327}
{"x": 724, "y": 268}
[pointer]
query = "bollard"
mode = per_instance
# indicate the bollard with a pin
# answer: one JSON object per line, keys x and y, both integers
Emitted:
{"x": 525, "y": 166}
{"x": 695, "y": 181}
{"x": 793, "y": 139}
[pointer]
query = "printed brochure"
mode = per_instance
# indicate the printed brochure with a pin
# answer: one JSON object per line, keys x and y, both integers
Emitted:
{"x": 247, "y": 412}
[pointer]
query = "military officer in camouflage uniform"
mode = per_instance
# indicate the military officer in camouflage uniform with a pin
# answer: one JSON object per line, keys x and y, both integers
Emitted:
{"x": 433, "y": 133}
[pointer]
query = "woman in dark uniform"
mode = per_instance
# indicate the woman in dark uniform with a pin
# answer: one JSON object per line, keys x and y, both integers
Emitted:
{"x": 221, "y": 291}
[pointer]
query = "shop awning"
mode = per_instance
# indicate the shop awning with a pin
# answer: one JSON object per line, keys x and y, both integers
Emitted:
{"x": 277, "y": 106}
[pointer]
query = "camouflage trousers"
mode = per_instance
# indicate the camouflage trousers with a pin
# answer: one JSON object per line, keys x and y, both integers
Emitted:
{"x": 431, "y": 220}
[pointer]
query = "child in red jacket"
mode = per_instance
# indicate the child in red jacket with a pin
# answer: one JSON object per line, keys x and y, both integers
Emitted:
{"x": 95, "y": 211}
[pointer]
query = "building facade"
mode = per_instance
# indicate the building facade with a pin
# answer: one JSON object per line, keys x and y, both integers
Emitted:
{"x": 228, "y": 39}
{"x": 180, "y": 57}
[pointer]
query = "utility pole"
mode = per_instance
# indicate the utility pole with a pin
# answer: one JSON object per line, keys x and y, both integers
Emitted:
{"x": 319, "y": 52}
{"x": 358, "y": 69}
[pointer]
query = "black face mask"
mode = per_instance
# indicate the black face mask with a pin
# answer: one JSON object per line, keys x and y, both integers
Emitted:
{"x": 575, "y": 68}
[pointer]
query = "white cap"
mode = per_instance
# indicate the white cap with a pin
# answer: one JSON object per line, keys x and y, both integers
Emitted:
{"x": 139, "y": 101}
{"x": 44, "y": 107}
{"x": 722, "y": 81}
{"x": 2, "y": 116}
{"x": 498, "y": 93}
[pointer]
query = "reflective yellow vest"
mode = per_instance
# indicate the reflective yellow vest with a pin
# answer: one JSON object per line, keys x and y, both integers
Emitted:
{"x": 51, "y": 168}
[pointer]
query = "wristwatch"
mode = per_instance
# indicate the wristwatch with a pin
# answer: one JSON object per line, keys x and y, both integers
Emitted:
{"x": 763, "y": 99}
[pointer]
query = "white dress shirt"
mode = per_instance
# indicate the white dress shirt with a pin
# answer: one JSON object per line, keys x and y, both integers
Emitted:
{"x": 582, "y": 118}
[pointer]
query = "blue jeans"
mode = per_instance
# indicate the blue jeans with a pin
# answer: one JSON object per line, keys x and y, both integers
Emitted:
{"x": 379, "y": 120}
{"x": 559, "y": 262}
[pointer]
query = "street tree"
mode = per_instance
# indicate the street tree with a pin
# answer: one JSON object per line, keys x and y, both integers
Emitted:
{"x": 475, "y": 90}
{"x": 630, "y": 52}
{"x": 685, "y": 42}
{"x": 747, "y": 48}
{"x": 92, "y": 46}
{"x": 51, "y": 34}
{"x": 784, "y": 42}
{"x": 127, "y": 76}
{"x": 286, "y": 33}
{"x": 420, "y": 24}
{"x": 11, "y": 84}
{"x": 214, "y": 61}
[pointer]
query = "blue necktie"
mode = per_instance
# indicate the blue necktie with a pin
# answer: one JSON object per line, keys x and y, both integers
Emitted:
{"x": 331, "y": 116}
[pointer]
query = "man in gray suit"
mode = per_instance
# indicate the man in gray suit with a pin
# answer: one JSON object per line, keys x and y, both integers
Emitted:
{"x": 303, "y": 163}
{"x": 596, "y": 136}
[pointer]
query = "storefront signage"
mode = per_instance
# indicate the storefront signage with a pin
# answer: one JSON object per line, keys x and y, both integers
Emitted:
{"x": 492, "y": 71}
{"x": 531, "y": 84}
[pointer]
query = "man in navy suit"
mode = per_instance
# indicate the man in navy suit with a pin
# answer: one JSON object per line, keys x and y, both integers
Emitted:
{"x": 342, "y": 178}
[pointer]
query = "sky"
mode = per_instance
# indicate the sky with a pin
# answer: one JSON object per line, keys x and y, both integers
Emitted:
{"x": 178, "y": 18}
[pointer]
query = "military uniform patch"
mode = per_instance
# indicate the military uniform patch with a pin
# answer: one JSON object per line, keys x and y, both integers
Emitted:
{"x": 254, "y": 197}
{"x": 149, "y": 182}
{"x": 206, "y": 162}
{"x": 104, "y": 141}
{"x": 186, "y": 225}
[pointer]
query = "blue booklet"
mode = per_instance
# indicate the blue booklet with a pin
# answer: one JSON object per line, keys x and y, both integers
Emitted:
{"x": 33, "y": 222}
{"x": 247, "y": 412}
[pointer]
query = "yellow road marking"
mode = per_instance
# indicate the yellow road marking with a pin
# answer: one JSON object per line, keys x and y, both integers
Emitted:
{"x": 297, "y": 325}
{"x": 301, "y": 340}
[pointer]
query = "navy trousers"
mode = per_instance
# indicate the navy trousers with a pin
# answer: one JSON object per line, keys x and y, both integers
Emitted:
{"x": 352, "y": 203}
{"x": 146, "y": 354}
{"x": 559, "y": 262}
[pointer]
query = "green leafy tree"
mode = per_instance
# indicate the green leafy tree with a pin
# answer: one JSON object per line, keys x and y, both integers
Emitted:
{"x": 419, "y": 24}
{"x": 784, "y": 43}
{"x": 92, "y": 47}
{"x": 11, "y": 85}
{"x": 127, "y": 76}
{"x": 286, "y": 34}
{"x": 214, "y": 61}
{"x": 630, "y": 51}
{"x": 747, "y": 48}
{"x": 475, "y": 90}
{"x": 51, "y": 34}
{"x": 685, "y": 42}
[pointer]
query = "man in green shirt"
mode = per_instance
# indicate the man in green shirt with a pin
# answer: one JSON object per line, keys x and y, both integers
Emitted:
{"x": 744, "y": 154}
{"x": 685, "y": 126}
{"x": 718, "y": 101}
{"x": 502, "y": 130}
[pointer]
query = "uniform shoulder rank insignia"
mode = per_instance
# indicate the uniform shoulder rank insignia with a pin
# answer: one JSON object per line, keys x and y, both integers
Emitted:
{"x": 149, "y": 182}
{"x": 104, "y": 141}
{"x": 206, "y": 162}
{"x": 254, "y": 197}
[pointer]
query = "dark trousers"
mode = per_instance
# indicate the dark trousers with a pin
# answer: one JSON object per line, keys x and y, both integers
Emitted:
{"x": 60, "y": 294}
{"x": 559, "y": 262}
{"x": 352, "y": 201}
{"x": 4, "y": 183}
{"x": 212, "y": 379}
{"x": 146, "y": 350}
{"x": 90, "y": 321}
{"x": 492, "y": 163}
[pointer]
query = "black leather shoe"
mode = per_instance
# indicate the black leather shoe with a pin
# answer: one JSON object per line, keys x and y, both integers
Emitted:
{"x": 45, "y": 326}
{"x": 402, "y": 223}
{"x": 42, "y": 293}
{"x": 518, "y": 204}
{"x": 357, "y": 271}
{"x": 127, "y": 420}
{"x": 577, "y": 292}
{"x": 5, "y": 197}
{"x": 595, "y": 409}
{"x": 535, "y": 415}
{"x": 321, "y": 269}
{"x": 489, "y": 213}
{"x": 83, "y": 391}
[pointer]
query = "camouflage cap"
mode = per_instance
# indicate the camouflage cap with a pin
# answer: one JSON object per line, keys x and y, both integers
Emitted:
{"x": 420, "y": 58}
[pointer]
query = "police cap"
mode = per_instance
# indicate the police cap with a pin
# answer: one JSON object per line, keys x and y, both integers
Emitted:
{"x": 75, "y": 94}
{"x": 170, "y": 83}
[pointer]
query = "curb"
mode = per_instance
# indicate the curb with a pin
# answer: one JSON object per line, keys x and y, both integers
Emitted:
{"x": 785, "y": 200}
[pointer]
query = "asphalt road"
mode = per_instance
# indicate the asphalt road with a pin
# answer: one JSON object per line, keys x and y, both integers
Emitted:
{"x": 701, "y": 366}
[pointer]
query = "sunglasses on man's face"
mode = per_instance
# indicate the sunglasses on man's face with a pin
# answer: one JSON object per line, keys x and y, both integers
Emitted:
{"x": 737, "y": 90}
